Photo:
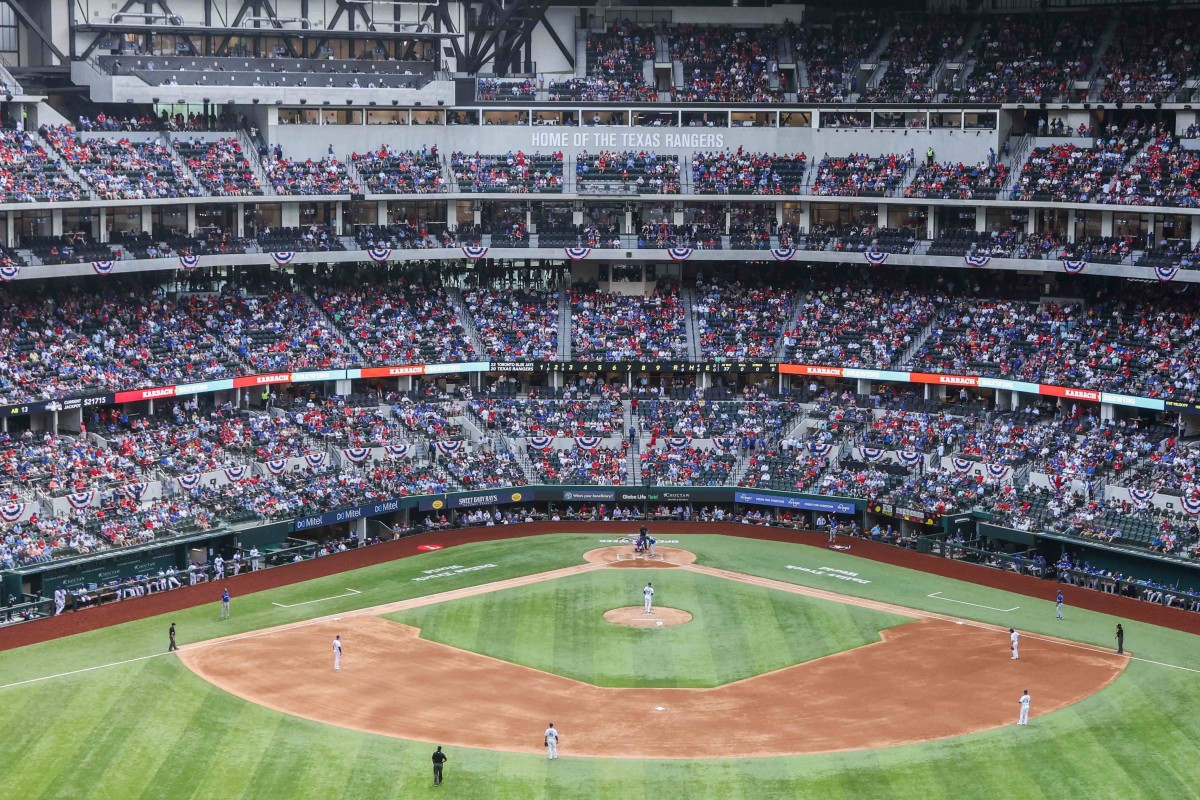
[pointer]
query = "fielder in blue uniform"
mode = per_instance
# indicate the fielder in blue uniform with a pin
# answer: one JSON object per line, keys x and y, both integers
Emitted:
{"x": 1058, "y": 604}
{"x": 225, "y": 604}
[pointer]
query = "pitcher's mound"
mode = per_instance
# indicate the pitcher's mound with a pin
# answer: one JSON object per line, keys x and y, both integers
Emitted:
{"x": 634, "y": 617}
{"x": 624, "y": 556}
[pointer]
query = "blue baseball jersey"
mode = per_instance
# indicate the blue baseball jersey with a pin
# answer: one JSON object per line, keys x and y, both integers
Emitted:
{"x": 225, "y": 597}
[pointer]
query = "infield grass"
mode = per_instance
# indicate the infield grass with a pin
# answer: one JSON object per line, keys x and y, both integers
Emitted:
{"x": 737, "y": 631}
{"x": 152, "y": 729}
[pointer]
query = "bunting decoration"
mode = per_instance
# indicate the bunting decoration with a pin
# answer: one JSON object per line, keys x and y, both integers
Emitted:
{"x": 998, "y": 472}
{"x": 783, "y": 253}
{"x": 9, "y": 273}
{"x": 1165, "y": 274}
{"x": 135, "y": 491}
{"x": 539, "y": 442}
{"x": 277, "y": 466}
{"x": 379, "y": 254}
{"x": 872, "y": 453}
{"x": 588, "y": 442}
{"x": 474, "y": 252}
{"x": 103, "y": 267}
{"x": 677, "y": 442}
{"x": 235, "y": 474}
{"x": 577, "y": 253}
{"x": 1141, "y": 497}
{"x": 357, "y": 455}
{"x": 962, "y": 465}
{"x": 188, "y": 482}
{"x": 314, "y": 460}
{"x": 820, "y": 449}
{"x": 80, "y": 499}
{"x": 724, "y": 442}
{"x": 679, "y": 253}
{"x": 396, "y": 450}
{"x": 11, "y": 512}
{"x": 283, "y": 258}
{"x": 448, "y": 448}
{"x": 1073, "y": 266}
{"x": 1191, "y": 506}
{"x": 909, "y": 458}
{"x": 189, "y": 262}
{"x": 875, "y": 257}
{"x": 977, "y": 259}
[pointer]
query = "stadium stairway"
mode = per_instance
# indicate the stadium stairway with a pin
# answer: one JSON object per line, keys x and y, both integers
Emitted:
{"x": 797, "y": 302}
{"x": 564, "y": 327}
{"x": 1093, "y": 77}
{"x": 465, "y": 319}
{"x": 63, "y": 164}
{"x": 180, "y": 160}
{"x": 688, "y": 297}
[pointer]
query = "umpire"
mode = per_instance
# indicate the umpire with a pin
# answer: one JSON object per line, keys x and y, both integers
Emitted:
{"x": 439, "y": 758}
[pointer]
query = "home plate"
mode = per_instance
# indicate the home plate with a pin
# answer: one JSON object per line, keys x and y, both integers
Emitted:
{"x": 660, "y": 708}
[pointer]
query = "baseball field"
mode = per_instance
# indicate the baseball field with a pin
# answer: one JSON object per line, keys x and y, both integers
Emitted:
{"x": 778, "y": 670}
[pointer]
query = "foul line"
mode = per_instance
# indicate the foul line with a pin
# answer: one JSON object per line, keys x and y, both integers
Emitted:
{"x": 347, "y": 593}
{"x": 937, "y": 596}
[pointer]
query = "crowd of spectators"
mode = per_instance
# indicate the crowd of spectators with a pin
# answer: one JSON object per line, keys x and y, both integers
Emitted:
{"x": 615, "y": 71}
{"x": 515, "y": 323}
{"x": 743, "y": 172}
{"x": 28, "y": 174}
{"x": 831, "y": 53}
{"x": 579, "y": 465}
{"x": 1151, "y": 56}
{"x": 320, "y": 176}
{"x": 220, "y": 166}
{"x": 122, "y": 169}
{"x": 559, "y": 418}
{"x": 1022, "y": 58}
{"x": 735, "y": 322}
{"x": 917, "y": 46}
{"x": 950, "y": 181}
{"x": 646, "y": 171}
{"x": 859, "y": 327}
{"x": 390, "y": 171}
{"x": 510, "y": 172}
{"x": 495, "y": 89}
{"x": 686, "y": 466}
{"x": 605, "y": 325}
{"x": 725, "y": 64}
{"x": 859, "y": 174}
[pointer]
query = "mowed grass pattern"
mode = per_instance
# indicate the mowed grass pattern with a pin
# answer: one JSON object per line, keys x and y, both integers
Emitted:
{"x": 737, "y": 630}
{"x": 151, "y": 729}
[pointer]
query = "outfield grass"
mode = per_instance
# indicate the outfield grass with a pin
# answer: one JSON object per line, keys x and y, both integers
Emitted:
{"x": 152, "y": 729}
{"x": 737, "y": 630}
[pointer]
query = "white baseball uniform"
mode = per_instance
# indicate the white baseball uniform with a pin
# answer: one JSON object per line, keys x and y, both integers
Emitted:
{"x": 649, "y": 593}
{"x": 551, "y": 742}
{"x": 337, "y": 653}
{"x": 1014, "y": 636}
{"x": 255, "y": 560}
{"x": 60, "y": 601}
{"x": 218, "y": 568}
{"x": 1023, "y": 718}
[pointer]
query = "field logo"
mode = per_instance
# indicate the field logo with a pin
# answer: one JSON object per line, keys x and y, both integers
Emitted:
{"x": 830, "y": 572}
{"x": 437, "y": 505}
{"x": 453, "y": 569}
{"x": 429, "y": 548}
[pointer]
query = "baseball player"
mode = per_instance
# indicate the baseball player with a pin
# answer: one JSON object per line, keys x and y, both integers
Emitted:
{"x": 652, "y": 541}
{"x": 337, "y": 652}
{"x": 648, "y": 592}
{"x": 255, "y": 560}
{"x": 551, "y": 737}
{"x": 225, "y": 604}
{"x": 439, "y": 758}
{"x": 1014, "y": 637}
{"x": 60, "y": 601}
{"x": 1058, "y": 605}
{"x": 171, "y": 646}
{"x": 1023, "y": 717}
{"x": 218, "y": 569}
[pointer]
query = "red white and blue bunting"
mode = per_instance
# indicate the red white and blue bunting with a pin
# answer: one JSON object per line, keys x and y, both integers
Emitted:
{"x": 188, "y": 482}
{"x": 11, "y": 512}
{"x": 783, "y": 253}
{"x": 189, "y": 262}
{"x": 679, "y": 253}
{"x": 588, "y": 442}
{"x": 396, "y": 450}
{"x": 282, "y": 259}
{"x": 820, "y": 449}
{"x": 977, "y": 259}
{"x": 235, "y": 474}
{"x": 872, "y": 453}
{"x": 277, "y": 466}
{"x": 678, "y": 442}
{"x": 1165, "y": 274}
{"x": 724, "y": 442}
{"x": 1073, "y": 266}
{"x": 577, "y": 253}
{"x": 998, "y": 472}
{"x": 474, "y": 253}
{"x": 379, "y": 254}
{"x": 80, "y": 499}
{"x": 314, "y": 460}
{"x": 1191, "y": 506}
{"x": 357, "y": 455}
{"x": 134, "y": 491}
{"x": 539, "y": 442}
{"x": 448, "y": 448}
{"x": 1141, "y": 497}
{"x": 962, "y": 465}
{"x": 103, "y": 267}
{"x": 909, "y": 458}
{"x": 875, "y": 257}
{"x": 10, "y": 273}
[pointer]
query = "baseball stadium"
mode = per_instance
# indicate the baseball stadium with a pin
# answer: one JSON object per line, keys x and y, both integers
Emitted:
{"x": 776, "y": 400}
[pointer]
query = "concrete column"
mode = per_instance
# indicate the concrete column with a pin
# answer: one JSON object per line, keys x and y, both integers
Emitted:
{"x": 1031, "y": 223}
{"x": 342, "y": 387}
{"x": 289, "y": 217}
{"x": 191, "y": 219}
{"x": 56, "y": 222}
{"x": 339, "y": 212}
{"x": 381, "y": 213}
{"x": 101, "y": 233}
{"x": 1108, "y": 411}
{"x": 147, "y": 220}
{"x": 1070, "y": 225}
{"x": 930, "y": 223}
{"x": 881, "y": 215}
{"x": 239, "y": 220}
{"x": 864, "y": 387}
{"x": 360, "y": 529}
{"x": 980, "y": 219}
{"x": 1106, "y": 223}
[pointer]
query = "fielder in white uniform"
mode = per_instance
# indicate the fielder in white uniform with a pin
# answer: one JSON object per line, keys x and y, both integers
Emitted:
{"x": 1013, "y": 636}
{"x": 649, "y": 594}
{"x": 1023, "y": 718}
{"x": 255, "y": 560}
{"x": 60, "y": 601}
{"x": 337, "y": 651}
{"x": 218, "y": 569}
{"x": 551, "y": 741}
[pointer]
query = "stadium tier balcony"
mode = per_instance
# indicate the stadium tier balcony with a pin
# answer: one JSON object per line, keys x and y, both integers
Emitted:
{"x": 28, "y": 174}
{"x": 948, "y": 181}
{"x": 615, "y": 71}
{"x": 397, "y": 323}
{"x": 511, "y": 172}
{"x": 220, "y": 166}
{"x": 918, "y": 44}
{"x": 726, "y": 64}
{"x": 1030, "y": 58}
{"x": 686, "y": 466}
{"x": 324, "y": 176}
{"x": 644, "y": 172}
{"x": 1145, "y": 62}
{"x": 860, "y": 328}
{"x": 744, "y": 172}
{"x": 283, "y": 72}
{"x": 736, "y": 322}
{"x": 403, "y": 236}
{"x": 70, "y": 248}
{"x": 502, "y": 90}
{"x": 306, "y": 239}
{"x": 387, "y": 171}
{"x": 862, "y": 175}
{"x": 515, "y": 323}
{"x": 614, "y": 326}
{"x": 753, "y": 419}
{"x": 831, "y": 53}
{"x": 657, "y": 235}
{"x": 604, "y": 466}
{"x": 558, "y": 418}
{"x": 122, "y": 169}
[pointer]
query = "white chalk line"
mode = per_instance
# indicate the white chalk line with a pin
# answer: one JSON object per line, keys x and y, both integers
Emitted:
{"x": 347, "y": 593}
{"x": 937, "y": 596}
{"x": 551, "y": 575}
